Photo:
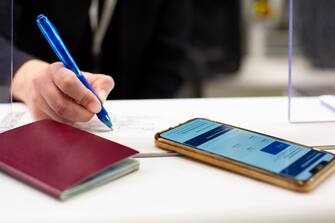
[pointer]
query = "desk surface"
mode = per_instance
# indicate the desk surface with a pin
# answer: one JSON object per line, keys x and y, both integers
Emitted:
{"x": 177, "y": 189}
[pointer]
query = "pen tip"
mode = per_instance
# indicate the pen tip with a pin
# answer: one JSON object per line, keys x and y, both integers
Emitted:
{"x": 104, "y": 117}
{"x": 109, "y": 124}
{"x": 107, "y": 121}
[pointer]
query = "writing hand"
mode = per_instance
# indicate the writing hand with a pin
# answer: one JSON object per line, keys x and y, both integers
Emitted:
{"x": 52, "y": 91}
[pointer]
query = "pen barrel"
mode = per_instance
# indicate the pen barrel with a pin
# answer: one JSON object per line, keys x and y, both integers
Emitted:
{"x": 50, "y": 33}
{"x": 57, "y": 44}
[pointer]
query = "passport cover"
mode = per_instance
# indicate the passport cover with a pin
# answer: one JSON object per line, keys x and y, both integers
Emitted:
{"x": 62, "y": 160}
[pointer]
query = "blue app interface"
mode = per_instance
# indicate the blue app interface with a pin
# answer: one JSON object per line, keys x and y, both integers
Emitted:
{"x": 247, "y": 147}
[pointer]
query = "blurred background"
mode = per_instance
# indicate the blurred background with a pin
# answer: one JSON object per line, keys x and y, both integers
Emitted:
{"x": 240, "y": 48}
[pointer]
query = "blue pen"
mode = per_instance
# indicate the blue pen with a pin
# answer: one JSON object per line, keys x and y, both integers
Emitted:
{"x": 57, "y": 44}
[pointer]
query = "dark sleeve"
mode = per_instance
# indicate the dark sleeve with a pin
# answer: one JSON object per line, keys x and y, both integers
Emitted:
{"x": 163, "y": 65}
{"x": 19, "y": 57}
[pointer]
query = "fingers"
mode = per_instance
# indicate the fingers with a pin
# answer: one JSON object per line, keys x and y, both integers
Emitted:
{"x": 40, "y": 109}
{"x": 47, "y": 100}
{"x": 43, "y": 111}
{"x": 102, "y": 84}
{"x": 64, "y": 107}
{"x": 70, "y": 85}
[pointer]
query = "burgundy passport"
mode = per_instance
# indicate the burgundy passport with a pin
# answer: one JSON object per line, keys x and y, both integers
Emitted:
{"x": 62, "y": 160}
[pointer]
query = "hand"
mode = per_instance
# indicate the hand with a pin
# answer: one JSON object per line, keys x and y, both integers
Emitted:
{"x": 52, "y": 91}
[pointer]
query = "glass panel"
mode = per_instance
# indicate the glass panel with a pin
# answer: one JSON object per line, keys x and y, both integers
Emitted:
{"x": 311, "y": 61}
{"x": 6, "y": 65}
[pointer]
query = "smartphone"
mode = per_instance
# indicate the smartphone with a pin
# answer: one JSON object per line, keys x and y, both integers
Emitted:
{"x": 267, "y": 158}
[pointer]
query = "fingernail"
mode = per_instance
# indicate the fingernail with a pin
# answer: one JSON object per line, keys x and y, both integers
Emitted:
{"x": 102, "y": 94}
{"x": 94, "y": 107}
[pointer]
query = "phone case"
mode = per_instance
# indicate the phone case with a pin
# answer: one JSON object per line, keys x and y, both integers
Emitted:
{"x": 244, "y": 169}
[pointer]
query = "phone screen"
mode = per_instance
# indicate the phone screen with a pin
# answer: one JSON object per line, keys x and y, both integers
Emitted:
{"x": 261, "y": 151}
